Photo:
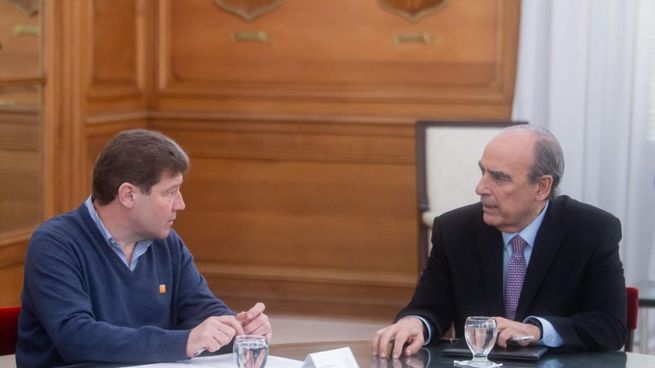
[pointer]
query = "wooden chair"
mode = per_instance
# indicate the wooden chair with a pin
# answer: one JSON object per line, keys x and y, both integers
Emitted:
{"x": 633, "y": 312}
{"x": 8, "y": 329}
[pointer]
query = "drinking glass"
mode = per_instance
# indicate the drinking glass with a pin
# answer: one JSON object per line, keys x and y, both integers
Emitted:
{"x": 250, "y": 351}
{"x": 480, "y": 334}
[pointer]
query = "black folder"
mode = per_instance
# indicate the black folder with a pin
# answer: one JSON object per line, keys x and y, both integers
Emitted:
{"x": 528, "y": 353}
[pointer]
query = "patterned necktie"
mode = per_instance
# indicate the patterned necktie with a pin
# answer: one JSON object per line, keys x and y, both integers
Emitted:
{"x": 515, "y": 274}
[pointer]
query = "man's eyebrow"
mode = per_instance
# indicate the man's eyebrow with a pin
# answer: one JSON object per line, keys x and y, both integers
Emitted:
{"x": 494, "y": 173}
{"x": 499, "y": 175}
{"x": 172, "y": 187}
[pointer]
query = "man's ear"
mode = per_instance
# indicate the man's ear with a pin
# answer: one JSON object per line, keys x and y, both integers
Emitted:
{"x": 544, "y": 185}
{"x": 127, "y": 194}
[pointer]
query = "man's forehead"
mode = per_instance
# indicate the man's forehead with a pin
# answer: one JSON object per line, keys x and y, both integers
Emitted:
{"x": 514, "y": 139}
{"x": 493, "y": 167}
{"x": 507, "y": 158}
{"x": 170, "y": 179}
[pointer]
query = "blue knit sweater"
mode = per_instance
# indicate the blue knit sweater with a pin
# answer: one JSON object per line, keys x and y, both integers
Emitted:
{"x": 80, "y": 303}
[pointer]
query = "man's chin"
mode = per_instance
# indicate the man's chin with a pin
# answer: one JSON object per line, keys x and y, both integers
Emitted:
{"x": 490, "y": 219}
{"x": 163, "y": 234}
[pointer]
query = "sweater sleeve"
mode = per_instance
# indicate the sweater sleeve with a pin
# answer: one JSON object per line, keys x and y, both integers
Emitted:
{"x": 195, "y": 302}
{"x": 54, "y": 279}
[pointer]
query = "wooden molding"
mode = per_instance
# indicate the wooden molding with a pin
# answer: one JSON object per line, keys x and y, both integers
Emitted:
{"x": 21, "y": 81}
{"x": 141, "y": 116}
{"x": 283, "y": 141}
{"x": 65, "y": 106}
{"x": 412, "y": 10}
{"x": 13, "y": 245}
{"x": 310, "y": 291}
{"x": 307, "y": 275}
{"x": 163, "y": 117}
{"x": 19, "y": 130}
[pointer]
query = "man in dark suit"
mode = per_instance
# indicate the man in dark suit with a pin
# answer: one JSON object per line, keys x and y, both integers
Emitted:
{"x": 546, "y": 266}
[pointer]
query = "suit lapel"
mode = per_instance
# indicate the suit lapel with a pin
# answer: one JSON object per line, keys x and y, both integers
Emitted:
{"x": 547, "y": 244}
{"x": 490, "y": 248}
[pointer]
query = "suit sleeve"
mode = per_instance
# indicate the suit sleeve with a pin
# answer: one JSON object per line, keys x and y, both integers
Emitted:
{"x": 432, "y": 298}
{"x": 601, "y": 324}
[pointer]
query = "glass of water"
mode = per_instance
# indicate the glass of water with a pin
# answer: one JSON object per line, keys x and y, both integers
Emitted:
{"x": 250, "y": 351}
{"x": 480, "y": 334}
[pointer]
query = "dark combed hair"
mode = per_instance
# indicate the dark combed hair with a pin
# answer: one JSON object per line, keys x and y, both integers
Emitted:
{"x": 139, "y": 157}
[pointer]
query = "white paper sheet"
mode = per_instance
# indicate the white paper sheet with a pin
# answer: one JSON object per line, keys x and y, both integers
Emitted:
{"x": 337, "y": 358}
{"x": 225, "y": 361}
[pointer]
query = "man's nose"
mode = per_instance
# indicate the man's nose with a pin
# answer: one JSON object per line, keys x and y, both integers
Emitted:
{"x": 481, "y": 188}
{"x": 179, "y": 204}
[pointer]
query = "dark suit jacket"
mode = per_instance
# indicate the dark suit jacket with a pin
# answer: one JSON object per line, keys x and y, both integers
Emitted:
{"x": 574, "y": 278}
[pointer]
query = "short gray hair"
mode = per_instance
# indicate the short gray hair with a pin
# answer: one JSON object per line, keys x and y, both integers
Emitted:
{"x": 548, "y": 156}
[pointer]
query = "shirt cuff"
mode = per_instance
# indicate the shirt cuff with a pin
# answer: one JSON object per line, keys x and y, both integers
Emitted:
{"x": 427, "y": 328}
{"x": 549, "y": 336}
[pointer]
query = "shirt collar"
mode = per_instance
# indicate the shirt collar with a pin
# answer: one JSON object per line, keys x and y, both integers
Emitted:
{"x": 103, "y": 230}
{"x": 529, "y": 233}
{"x": 96, "y": 219}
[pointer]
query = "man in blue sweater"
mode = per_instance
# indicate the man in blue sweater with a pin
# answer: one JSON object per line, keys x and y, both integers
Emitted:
{"x": 111, "y": 282}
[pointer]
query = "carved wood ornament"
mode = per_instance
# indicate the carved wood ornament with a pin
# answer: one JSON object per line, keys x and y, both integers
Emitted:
{"x": 249, "y": 9}
{"x": 30, "y": 7}
{"x": 412, "y": 10}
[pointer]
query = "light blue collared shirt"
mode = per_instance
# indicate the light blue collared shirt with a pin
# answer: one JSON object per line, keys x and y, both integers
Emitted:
{"x": 140, "y": 248}
{"x": 550, "y": 337}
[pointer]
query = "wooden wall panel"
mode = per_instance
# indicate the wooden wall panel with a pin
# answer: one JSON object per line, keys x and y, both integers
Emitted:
{"x": 11, "y": 282}
{"x": 20, "y": 194}
{"x": 303, "y": 146}
{"x": 302, "y": 213}
{"x": 114, "y": 41}
{"x": 327, "y": 54}
{"x": 116, "y": 94}
{"x": 117, "y": 30}
{"x": 19, "y": 43}
{"x": 20, "y": 142}
{"x": 13, "y": 245}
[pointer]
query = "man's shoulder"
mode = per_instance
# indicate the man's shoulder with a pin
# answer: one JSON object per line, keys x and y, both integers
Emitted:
{"x": 570, "y": 209}
{"x": 462, "y": 217}
{"x": 64, "y": 226}
{"x": 469, "y": 212}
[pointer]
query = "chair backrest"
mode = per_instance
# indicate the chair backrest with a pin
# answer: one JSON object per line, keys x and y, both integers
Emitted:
{"x": 447, "y": 155}
{"x": 8, "y": 329}
{"x": 633, "y": 312}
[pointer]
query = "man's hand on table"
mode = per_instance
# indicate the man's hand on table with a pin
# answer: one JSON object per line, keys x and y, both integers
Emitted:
{"x": 212, "y": 334}
{"x": 389, "y": 341}
{"x": 508, "y": 329}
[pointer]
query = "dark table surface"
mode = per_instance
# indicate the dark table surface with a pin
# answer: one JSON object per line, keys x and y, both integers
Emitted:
{"x": 432, "y": 357}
